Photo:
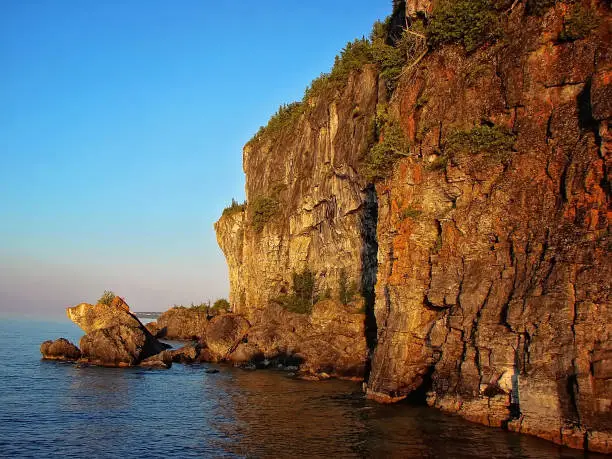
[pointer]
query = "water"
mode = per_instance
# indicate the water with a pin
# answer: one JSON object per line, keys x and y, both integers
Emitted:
{"x": 52, "y": 409}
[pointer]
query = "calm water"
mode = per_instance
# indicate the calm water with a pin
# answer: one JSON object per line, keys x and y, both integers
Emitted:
{"x": 50, "y": 409}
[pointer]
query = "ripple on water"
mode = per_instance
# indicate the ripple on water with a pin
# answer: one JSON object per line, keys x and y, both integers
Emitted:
{"x": 54, "y": 409}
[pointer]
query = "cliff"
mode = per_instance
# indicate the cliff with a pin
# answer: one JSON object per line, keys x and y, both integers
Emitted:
{"x": 482, "y": 250}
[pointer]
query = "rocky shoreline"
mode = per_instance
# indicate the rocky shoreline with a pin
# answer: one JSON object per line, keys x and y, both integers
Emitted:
{"x": 115, "y": 337}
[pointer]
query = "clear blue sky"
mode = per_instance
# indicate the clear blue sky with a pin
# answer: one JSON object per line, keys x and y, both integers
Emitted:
{"x": 121, "y": 133}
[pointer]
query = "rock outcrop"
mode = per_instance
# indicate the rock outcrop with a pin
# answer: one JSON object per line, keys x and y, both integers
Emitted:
{"x": 330, "y": 340}
{"x": 119, "y": 346}
{"x": 494, "y": 290}
{"x": 180, "y": 324}
{"x": 114, "y": 336}
{"x": 488, "y": 244}
{"x": 60, "y": 349}
{"x": 163, "y": 361}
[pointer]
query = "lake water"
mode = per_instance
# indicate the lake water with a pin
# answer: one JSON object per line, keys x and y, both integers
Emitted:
{"x": 51, "y": 409}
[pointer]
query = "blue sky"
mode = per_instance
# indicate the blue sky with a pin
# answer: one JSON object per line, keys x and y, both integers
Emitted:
{"x": 121, "y": 133}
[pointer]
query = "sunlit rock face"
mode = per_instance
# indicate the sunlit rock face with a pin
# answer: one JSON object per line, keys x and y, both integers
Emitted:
{"x": 493, "y": 293}
{"x": 323, "y": 220}
{"x": 114, "y": 336}
{"x": 491, "y": 271}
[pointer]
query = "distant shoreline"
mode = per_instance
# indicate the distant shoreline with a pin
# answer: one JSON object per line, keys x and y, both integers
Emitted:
{"x": 147, "y": 314}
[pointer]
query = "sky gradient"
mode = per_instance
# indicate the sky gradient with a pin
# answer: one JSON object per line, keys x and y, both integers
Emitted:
{"x": 121, "y": 133}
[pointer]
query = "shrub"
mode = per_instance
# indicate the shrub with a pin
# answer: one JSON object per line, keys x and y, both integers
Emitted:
{"x": 391, "y": 54}
{"x": 494, "y": 141}
{"x": 262, "y": 209}
{"x": 580, "y": 22}
{"x": 346, "y": 290}
{"x": 304, "y": 293}
{"x": 285, "y": 116}
{"x": 234, "y": 208}
{"x": 469, "y": 22}
{"x": 107, "y": 298}
{"x": 381, "y": 158}
{"x": 221, "y": 305}
{"x": 410, "y": 212}
{"x": 198, "y": 307}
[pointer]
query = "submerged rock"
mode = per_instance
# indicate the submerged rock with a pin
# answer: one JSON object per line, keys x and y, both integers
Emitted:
{"x": 163, "y": 360}
{"x": 60, "y": 349}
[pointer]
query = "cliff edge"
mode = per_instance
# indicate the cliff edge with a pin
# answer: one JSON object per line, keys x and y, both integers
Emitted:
{"x": 459, "y": 203}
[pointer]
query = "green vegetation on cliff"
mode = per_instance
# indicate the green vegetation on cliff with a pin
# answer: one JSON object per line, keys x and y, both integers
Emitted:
{"x": 261, "y": 210}
{"x": 494, "y": 141}
{"x": 392, "y": 145}
{"x": 221, "y": 305}
{"x": 469, "y": 22}
{"x": 303, "y": 296}
{"x": 234, "y": 208}
{"x": 389, "y": 54}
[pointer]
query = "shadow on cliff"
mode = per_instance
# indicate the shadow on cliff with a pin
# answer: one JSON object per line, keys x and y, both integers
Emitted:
{"x": 369, "y": 267}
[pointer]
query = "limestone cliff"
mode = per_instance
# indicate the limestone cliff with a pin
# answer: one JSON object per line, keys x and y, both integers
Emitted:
{"x": 310, "y": 173}
{"x": 488, "y": 243}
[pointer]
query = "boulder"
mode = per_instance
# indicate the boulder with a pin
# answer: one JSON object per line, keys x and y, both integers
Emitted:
{"x": 95, "y": 317}
{"x": 60, "y": 349}
{"x": 114, "y": 336}
{"x": 163, "y": 360}
{"x": 224, "y": 333}
{"x": 246, "y": 353}
{"x": 181, "y": 324}
{"x": 154, "y": 329}
{"x": 185, "y": 354}
{"x": 119, "y": 345}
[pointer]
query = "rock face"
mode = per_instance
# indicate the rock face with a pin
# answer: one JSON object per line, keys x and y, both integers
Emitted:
{"x": 330, "y": 340}
{"x": 224, "y": 333}
{"x": 60, "y": 349}
{"x": 119, "y": 345}
{"x": 114, "y": 337}
{"x": 180, "y": 324}
{"x": 496, "y": 291}
{"x": 319, "y": 220}
{"x": 95, "y": 317}
{"x": 491, "y": 269}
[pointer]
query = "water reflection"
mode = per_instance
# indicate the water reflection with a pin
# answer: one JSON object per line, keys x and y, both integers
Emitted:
{"x": 52, "y": 409}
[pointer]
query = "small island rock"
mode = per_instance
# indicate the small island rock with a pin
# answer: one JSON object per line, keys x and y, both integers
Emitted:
{"x": 60, "y": 349}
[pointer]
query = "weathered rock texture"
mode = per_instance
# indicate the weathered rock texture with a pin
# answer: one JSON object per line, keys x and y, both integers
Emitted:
{"x": 312, "y": 173}
{"x": 92, "y": 317}
{"x": 180, "y": 324}
{"x": 330, "y": 340}
{"x": 320, "y": 225}
{"x": 493, "y": 272}
{"x": 114, "y": 337}
{"x": 498, "y": 291}
{"x": 224, "y": 333}
{"x": 60, "y": 349}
